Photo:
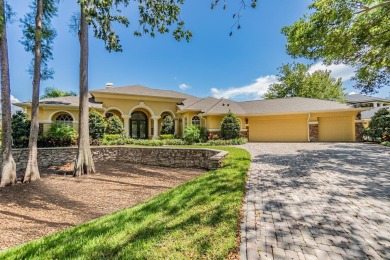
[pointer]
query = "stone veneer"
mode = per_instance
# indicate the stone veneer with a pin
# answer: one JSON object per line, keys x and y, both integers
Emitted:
{"x": 156, "y": 156}
{"x": 359, "y": 129}
{"x": 313, "y": 133}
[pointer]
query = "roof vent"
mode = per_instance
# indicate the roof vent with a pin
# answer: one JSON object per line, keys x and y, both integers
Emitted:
{"x": 109, "y": 85}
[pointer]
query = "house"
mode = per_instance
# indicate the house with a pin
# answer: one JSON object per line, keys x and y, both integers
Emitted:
{"x": 142, "y": 110}
{"x": 372, "y": 103}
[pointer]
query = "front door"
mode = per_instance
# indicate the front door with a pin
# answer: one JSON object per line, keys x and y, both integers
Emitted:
{"x": 138, "y": 125}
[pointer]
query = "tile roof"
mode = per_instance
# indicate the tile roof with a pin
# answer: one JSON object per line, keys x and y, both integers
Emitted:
{"x": 66, "y": 101}
{"x": 143, "y": 91}
{"x": 358, "y": 98}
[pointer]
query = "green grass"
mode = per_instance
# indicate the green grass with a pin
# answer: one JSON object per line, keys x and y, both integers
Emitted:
{"x": 196, "y": 220}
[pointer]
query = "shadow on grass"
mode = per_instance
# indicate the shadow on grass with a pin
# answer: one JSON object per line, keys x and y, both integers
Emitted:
{"x": 195, "y": 220}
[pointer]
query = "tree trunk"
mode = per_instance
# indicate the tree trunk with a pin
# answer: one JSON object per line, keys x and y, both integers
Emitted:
{"x": 84, "y": 161}
{"x": 32, "y": 171}
{"x": 8, "y": 168}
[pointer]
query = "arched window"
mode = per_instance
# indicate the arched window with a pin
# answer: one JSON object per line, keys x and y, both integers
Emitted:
{"x": 64, "y": 119}
{"x": 195, "y": 120}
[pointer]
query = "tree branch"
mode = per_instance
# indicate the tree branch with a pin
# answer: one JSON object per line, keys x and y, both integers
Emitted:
{"x": 366, "y": 9}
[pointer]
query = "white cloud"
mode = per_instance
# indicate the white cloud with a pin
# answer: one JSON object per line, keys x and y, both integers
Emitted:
{"x": 352, "y": 93}
{"x": 342, "y": 71}
{"x": 252, "y": 91}
{"x": 261, "y": 85}
{"x": 14, "y": 99}
{"x": 184, "y": 86}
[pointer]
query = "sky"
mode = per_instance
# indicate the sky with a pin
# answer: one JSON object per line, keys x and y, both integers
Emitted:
{"x": 238, "y": 67}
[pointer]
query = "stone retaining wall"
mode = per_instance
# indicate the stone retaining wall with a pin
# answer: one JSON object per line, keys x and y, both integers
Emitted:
{"x": 156, "y": 156}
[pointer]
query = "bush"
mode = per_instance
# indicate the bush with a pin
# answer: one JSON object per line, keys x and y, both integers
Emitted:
{"x": 114, "y": 125}
{"x": 230, "y": 127}
{"x": 236, "y": 141}
{"x": 20, "y": 129}
{"x": 58, "y": 135}
{"x": 174, "y": 142}
{"x": 167, "y": 136}
{"x": 379, "y": 127}
{"x": 386, "y": 143}
{"x": 195, "y": 134}
{"x": 167, "y": 126}
{"x": 97, "y": 125}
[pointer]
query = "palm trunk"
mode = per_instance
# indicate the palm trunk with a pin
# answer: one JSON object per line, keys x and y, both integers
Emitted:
{"x": 32, "y": 171}
{"x": 8, "y": 168}
{"x": 84, "y": 161}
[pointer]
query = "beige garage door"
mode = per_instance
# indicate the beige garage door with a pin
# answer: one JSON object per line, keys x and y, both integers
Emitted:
{"x": 278, "y": 130}
{"x": 335, "y": 129}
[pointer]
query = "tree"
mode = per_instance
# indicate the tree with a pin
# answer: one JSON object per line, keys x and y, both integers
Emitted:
{"x": 295, "y": 80}
{"x": 51, "y": 92}
{"x": 114, "y": 125}
{"x": 8, "y": 167}
{"x": 230, "y": 127}
{"x": 379, "y": 126}
{"x": 96, "y": 125}
{"x": 38, "y": 38}
{"x": 20, "y": 126}
{"x": 167, "y": 126}
{"x": 154, "y": 17}
{"x": 353, "y": 32}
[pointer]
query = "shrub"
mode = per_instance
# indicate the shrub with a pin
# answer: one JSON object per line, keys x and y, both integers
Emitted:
{"x": 230, "y": 127}
{"x": 97, "y": 125}
{"x": 167, "y": 136}
{"x": 236, "y": 141}
{"x": 195, "y": 134}
{"x": 58, "y": 135}
{"x": 379, "y": 127}
{"x": 114, "y": 125}
{"x": 20, "y": 129}
{"x": 167, "y": 126}
{"x": 174, "y": 142}
{"x": 386, "y": 143}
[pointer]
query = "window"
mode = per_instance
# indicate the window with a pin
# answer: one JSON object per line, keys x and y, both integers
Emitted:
{"x": 64, "y": 119}
{"x": 195, "y": 120}
{"x": 109, "y": 114}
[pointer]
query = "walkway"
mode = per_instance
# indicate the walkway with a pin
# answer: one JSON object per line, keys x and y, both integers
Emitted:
{"x": 317, "y": 201}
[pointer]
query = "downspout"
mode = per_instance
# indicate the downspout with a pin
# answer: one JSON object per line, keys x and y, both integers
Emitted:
{"x": 308, "y": 128}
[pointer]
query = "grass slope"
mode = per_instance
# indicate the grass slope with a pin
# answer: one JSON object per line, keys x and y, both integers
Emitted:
{"x": 195, "y": 220}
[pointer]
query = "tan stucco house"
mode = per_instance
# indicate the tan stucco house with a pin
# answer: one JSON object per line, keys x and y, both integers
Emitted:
{"x": 142, "y": 110}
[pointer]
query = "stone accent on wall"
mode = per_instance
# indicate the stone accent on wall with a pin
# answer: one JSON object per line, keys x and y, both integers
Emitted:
{"x": 359, "y": 129}
{"x": 313, "y": 132}
{"x": 161, "y": 156}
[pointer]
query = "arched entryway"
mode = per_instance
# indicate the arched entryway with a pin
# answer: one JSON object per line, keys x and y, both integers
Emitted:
{"x": 139, "y": 125}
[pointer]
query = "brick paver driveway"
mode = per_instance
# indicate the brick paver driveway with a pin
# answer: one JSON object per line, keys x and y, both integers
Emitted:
{"x": 317, "y": 201}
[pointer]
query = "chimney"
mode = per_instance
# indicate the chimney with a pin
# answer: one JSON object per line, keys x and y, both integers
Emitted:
{"x": 109, "y": 85}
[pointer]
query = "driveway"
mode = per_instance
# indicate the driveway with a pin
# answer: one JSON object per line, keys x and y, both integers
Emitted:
{"x": 317, "y": 201}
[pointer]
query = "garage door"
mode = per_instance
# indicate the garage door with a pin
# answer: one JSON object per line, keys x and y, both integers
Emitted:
{"x": 335, "y": 129}
{"x": 278, "y": 130}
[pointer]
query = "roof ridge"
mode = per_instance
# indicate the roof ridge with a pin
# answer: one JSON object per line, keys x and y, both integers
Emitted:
{"x": 220, "y": 100}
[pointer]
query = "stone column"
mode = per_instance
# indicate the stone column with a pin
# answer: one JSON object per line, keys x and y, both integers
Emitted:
{"x": 155, "y": 126}
{"x": 177, "y": 126}
{"x": 126, "y": 124}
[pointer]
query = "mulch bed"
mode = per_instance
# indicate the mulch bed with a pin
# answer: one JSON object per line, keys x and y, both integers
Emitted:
{"x": 58, "y": 201}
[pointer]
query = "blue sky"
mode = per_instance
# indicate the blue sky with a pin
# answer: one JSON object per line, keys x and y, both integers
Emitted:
{"x": 239, "y": 67}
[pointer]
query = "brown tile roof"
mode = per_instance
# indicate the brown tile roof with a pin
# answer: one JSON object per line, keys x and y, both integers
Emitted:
{"x": 65, "y": 101}
{"x": 143, "y": 91}
{"x": 290, "y": 105}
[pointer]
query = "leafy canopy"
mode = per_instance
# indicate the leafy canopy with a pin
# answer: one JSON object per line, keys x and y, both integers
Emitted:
{"x": 354, "y": 32}
{"x": 47, "y": 36}
{"x": 51, "y": 92}
{"x": 295, "y": 80}
{"x": 154, "y": 17}
{"x": 230, "y": 127}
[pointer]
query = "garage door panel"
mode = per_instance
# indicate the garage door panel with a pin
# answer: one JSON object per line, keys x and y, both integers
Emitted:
{"x": 278, "y": 130}
{"x": 335, "y": 129}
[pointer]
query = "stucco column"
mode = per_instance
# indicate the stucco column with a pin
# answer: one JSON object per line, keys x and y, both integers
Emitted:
{"x": 177, "y": 126}
{"x": 155, "y": 126}
{"x": 126, "y": 123}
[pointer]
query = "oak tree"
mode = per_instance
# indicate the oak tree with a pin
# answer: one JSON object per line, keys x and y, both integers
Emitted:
{"x": 353, "y": 32}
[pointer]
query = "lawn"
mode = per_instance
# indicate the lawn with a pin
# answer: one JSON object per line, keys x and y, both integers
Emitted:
{"x": 195, "y": 220}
